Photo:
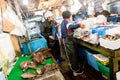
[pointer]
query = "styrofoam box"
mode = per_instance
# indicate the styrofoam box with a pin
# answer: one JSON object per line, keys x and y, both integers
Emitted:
{"x": 118, "y": 75}
{"x": 113, "y": 45}
{"x": 102, "y": 59}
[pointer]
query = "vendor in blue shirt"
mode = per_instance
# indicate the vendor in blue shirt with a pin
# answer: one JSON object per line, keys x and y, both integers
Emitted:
{"x": 69, "y": 45}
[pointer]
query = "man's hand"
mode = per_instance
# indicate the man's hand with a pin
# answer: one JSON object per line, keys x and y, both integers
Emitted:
{"x": 51, "y": 37}
{"x": 57, "y": 25}
{"x": 82, "y": 25}
{"x": 113, "y": 14}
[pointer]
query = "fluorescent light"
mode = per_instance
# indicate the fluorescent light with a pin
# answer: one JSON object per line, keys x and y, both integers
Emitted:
{"x": 63, "y": 8}
{"x": 25, "y": 2}
{"x": 85, "y": 3}
{"x": 75, "y": 8}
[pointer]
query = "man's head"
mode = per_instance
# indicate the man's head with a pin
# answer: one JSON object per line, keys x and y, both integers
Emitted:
{"x": 66, "y": 14}
{"x": 100, "y": 9}
{"x": 49, "y": 15}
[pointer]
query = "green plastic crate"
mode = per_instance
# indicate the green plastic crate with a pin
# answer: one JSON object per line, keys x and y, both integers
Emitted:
{"x": 105, "y": 70}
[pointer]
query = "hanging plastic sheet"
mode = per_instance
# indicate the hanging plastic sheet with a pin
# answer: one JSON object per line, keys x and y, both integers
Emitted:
{"x": 11, "y": 23}
{"x": 7, "y": 51}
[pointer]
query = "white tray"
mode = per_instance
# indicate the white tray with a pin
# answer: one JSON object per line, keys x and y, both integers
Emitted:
{"x": 113, "y": 45}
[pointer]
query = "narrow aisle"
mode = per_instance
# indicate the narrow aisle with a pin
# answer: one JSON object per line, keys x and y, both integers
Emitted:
{"x": 90, "y": 73}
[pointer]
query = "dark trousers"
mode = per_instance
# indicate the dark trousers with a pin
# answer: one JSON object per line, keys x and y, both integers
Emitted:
{"x": 54, "y": 45}
{"x": 71, "y": 53}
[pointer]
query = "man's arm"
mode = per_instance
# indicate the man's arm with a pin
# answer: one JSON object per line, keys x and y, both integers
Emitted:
{"x": 96, "y": 14}
{"x": 74, "y": 26}
{"x": 42, "y": 29}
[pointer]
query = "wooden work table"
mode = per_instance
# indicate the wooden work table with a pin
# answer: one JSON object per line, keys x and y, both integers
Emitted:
{"x": 112, "y": 54}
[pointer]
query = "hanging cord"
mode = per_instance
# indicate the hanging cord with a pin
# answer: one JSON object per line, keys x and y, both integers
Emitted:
{"x": 82, "y": 67}
{"x": 25, "y": 27}
{"x": 19, "y": 9}
{"x": 68, "y": 57}
{"x": 27, "y": 39}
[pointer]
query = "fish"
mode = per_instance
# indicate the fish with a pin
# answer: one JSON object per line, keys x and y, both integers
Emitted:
{"x": 24, "y": 65}
{"x": 50, "y": 67}
{"x": 40, "y": 55}
{"x": 28, "y": 64}
{"x": 38, "y": 58}
{"x": 32, "y": 65}
{"x": 40, "y": 70}
{"x": 28, "y": 75}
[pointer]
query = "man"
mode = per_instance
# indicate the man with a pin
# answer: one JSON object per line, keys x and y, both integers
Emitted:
{"x": 102, "y": 12}
{"x": 70, "y": 47}
{"x": 48, "y": 30}
{"x": 108, "y": 15}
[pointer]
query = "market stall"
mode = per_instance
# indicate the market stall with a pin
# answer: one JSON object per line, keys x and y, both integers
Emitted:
{"x": 113, "y": 58}
{"x": 104, "y": 39}
{"x": 24, "y": 52}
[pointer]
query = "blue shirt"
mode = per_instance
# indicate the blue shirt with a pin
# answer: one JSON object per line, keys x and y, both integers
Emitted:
{"x": 54, "y": 32}
{"x": 64, "y": 28}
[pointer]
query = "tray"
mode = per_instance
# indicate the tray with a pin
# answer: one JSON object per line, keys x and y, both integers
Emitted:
{"x": 16, "y": 72}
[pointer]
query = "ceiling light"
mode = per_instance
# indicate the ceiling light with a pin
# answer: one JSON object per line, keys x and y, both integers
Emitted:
{"x": 25, "y": 2}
